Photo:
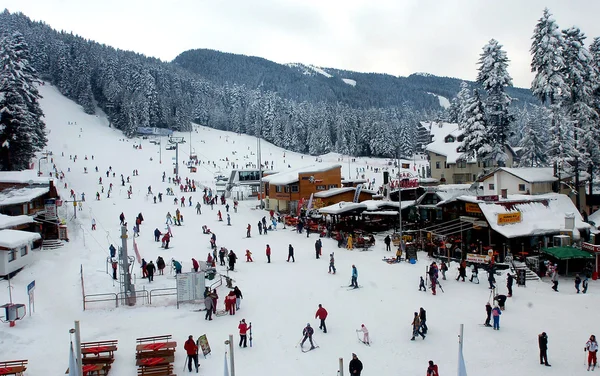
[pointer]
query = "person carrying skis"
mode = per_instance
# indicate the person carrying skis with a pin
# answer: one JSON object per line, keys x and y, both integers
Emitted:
{"x": 432, "y": 370}
{"x": 331, "y": 263}
{"x": 543, "y": 345}
{"x": 321, "y": 315}
{"x": 150, "y": 268}
{"x": 355, "y": 367}
{"x": 416, "y": 325}
{"x": 354, "y": 282}
{"x": 291, "y": 254}
{"x": 191, "y": 349}
{"x": 248, "y": 256}
{"x": 365, "y": 332}
{"x": 592, "y": 348}
{"x": 496, "y": 312}
{"x": 388, "y": 242}
{"x": 488, "y": 311}
{"x": 308, "y": 333}
{"x": 243, "y": 327}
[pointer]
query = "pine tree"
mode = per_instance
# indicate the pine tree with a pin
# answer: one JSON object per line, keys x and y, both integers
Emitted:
{"x": 534, "y": 138}
{"x": 494, "y": 78}
{"x": 476, "y": 139}
{"x": 21, "y": 127}
{"x": 462, "y": 99}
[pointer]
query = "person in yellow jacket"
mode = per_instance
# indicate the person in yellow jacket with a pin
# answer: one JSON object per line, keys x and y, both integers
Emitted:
{"x": 398, "y": 254}
{"x": 349, "y": 244}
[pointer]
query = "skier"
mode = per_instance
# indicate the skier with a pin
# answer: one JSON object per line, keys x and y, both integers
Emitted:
{"x": 416, "y": 325}
{"x": 248, "y": 230}
{"x": 423, "y": 318}
{"x": 422, "y": 284}
{"x": 291, "y": 254}
{"x": 94, "y": 228}
{"x": 491, "y": 279}
{"x": 219, "y": 215}
{"x": 268, "y": 252}
{"x": 355, "y": 367}
{"x": 169, "y": 219}
{"x": 577, "y": 280}
{"x": 122, "y": 218}
{"x": 198, "y": 206}
{"x": 150, "y": 268}
{"x": 228, "y": 220}
{"x": 165, "y": 240}
{"x": 222, "y": 254}
{"x": 259, "y": 228}
{"x": 509, "y": 282}
{"x": 365, "y": 332}
{"x": 543, "y": 344}
{"x": 243, "y": 327}
{"x": 144, "y": 270}
{"x": 157, "y": 234}
{"x": 474, "y": 274}
{"x": 387, "y": 242}
{"x": 115, "y": 264}
{"x": 354, "y": 282}
{"x": 592, "y": 348}
{"x": 349, "y": 242}
{"x": 432, "y": 370}
{"x": 488, "y": 311}
{"x": 496, "y": 315}
{"x": 331, "y": 263}
{"x": 191, "y": 349}
{"x": 308, "y": 333}
{"x": 238, "y": 297}
{"x": 321, "y": 315}
{"x": 462, "y": 271}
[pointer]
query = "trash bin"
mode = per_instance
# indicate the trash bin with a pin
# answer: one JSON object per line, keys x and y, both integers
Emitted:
{"x": 210, "y": 274}
{"x": 594, "y": 276}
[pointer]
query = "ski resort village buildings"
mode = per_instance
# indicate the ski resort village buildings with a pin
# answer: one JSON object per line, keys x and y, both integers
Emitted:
{"x": 445, "y": 154}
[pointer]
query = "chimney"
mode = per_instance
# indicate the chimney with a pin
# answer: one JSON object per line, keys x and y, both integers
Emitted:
{"x": 504, "y": 193}
{"x": 569, "y": 221}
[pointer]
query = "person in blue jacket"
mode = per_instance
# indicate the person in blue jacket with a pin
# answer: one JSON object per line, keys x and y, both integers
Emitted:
{"x": 354, "y": 277}
{"x": 177, "y": 266}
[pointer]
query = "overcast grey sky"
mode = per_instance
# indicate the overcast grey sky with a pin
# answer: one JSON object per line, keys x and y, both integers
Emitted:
{"x": 399, "y": 37}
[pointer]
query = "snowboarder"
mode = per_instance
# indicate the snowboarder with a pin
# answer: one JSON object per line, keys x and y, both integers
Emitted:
{"x": 355, "y": 367}
{"x": 238, "y": 297}
{"x": 243, "y": 327}
{"x": 268, "y": 252}
{"x": 422, "y": 284}
{"x": 248, "y": 256}
{"x": 248, "y": 230}
{"x": 365, "y": 332}
{"x": 543, "y": 344}
{"x": 321, "y": 315}
{"x": 191, "y": 349}
{"x": 331, "y": 263}
{"x": 308, "y": 333}
{"x": 423, "y": 318}
{"x": 354, "y": 282}
{"x": 592, "y": 348}
{"x": 388, "y": 242}
{"x": 432, "y": 370}
{"x": 291, "y": 254}
{"x": 488, "y": 311}
{"x": 496, "y": 312}
{"x": 150, "y": 268}
{"x": 577, "y": 282}
{"x": 416, "y": 325}
{"x": 509, "y": 283}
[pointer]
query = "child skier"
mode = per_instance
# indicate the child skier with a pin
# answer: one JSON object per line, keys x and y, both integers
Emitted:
{"x": 308, "y": 333}
{"x": 331, "y": 263}
{"x": 249, "y": 256}
{"x": 365, "y": 332}
{"x": 592, "y": 348}
{"x": 496, "y": 312}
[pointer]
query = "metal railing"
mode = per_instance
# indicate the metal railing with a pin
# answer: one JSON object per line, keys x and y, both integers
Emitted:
{"x": 113, "y": 297}
{"x": 123, "y": 296}
{"x": 161, "y": 292}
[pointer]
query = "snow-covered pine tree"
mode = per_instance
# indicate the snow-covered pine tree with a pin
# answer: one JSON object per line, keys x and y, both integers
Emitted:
{"x": 494, "y": 78}
{"x": 21, "y": 127}
{"x": 476, "y": 139}
{"x": 534, "y": 140}
{"x": 462, "y": 99}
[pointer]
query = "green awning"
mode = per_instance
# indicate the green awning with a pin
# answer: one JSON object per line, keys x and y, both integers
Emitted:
{"x": 567, "y": 253}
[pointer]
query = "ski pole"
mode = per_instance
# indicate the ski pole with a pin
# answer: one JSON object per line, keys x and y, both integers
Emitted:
{"x": 299, "y": 341}
{"x": 186, "y": 360}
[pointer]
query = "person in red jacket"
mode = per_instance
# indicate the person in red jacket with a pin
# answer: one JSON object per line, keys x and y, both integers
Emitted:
{"x": 432, "y": 370}
{"x": 322, "y": 315}
{"x": 268, "y": 254}
{"x": 191, "y": 349}
{"x": 195, "y": 265}
{"x": 243, "y": 327}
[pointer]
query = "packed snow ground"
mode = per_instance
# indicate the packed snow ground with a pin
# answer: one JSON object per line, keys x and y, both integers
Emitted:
{"x": 279, "y": 298}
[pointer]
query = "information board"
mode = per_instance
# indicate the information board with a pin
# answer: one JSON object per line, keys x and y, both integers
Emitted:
{"x": 203, "y": 344}
{"x": 521, "y": 277}
{"x": 190, "y": 287}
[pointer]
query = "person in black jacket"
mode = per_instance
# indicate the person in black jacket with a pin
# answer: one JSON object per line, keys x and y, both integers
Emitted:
{"x": 509, "y": 283}
{"x": 150, "y": 268}
{"x": 423, "y": 317}
{"x": 501, "y": 299}
{"x": 488, "y": 311}
{"x": 355, "y": 366}
{"x": 543, "y": 343}
{"x": 232, "y": 258}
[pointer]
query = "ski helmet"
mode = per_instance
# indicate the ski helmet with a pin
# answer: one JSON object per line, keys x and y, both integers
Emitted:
{"x": 307, "y": 324}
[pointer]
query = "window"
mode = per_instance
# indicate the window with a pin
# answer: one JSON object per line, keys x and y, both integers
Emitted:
{"x": 278, "y": 189}
{"x": 24, "y": 251}
{"x": 437, "y": 165}
{"x": 12, "y": 255}
{"x": 491, "y": 186}
{"x": 331, "y": 186}
{"x": 320, "y": 187}
{"x": 449, "y": 139}
{"x": 445, "y": 164}
{"x": 461, "y": 164}
{"x": 521, "y": 187}
{"x": 286, "y": 189}
{"x": 460, "y": 138}
{"x": 295, "y": 189}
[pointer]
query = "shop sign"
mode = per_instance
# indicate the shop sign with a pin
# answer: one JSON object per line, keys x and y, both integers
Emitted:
{"x": 480, "y": 259}
{"x": 509, "y": 218}
{"x": 590, "y": 247}
{"x": 472, "y": 208}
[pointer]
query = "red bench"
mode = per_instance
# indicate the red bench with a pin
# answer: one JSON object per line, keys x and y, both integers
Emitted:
{"x": 13, "y": 367}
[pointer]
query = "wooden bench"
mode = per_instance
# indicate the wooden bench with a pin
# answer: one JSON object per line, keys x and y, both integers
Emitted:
{"x": 164, "y": 338}
{"x": 162, "y": 370}
{"x": 13, "y": 367}
{"x": 153, "y": 354}
{"x": 99, "y": 348}
{"x": 94, "y": 369}
{"x": 156, "y": 346}
{"x": 155, "y": 361}
{"x": 98, "y": 360}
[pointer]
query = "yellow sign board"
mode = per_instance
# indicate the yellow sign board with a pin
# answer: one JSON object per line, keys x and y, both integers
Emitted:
{"x": 509, "y": 218}
{"x": 472, "y": 208}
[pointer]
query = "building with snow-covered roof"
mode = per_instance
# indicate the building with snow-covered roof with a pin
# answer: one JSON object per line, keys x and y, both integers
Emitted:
{"x": 446, "y": 155}
{"x": 15, "y": 249}
{"x": 335, "y": 195}
{"x": 286, "y": 191}
{"x": 17, "y": 222}
{"x": 19, "y": 179}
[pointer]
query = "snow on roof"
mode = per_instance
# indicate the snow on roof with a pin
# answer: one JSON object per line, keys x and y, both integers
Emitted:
{"x": 21, "y": 195}
{"x": 14, "y": 238}
{"x": 438, "y": 145}
{"x": 353, "y": 181}
{"x": 343, "y": 207}
{"x": 23, "y": 177}
{"x": 374, "y": 205}
{"x": 531, "y": 174}
{"x": 333, "y": 192}
{"x": 595, "y": 217}
{"x": 291, "y": 176}
{"x": 7, "y": 221}
{"x": 545, "y": 215}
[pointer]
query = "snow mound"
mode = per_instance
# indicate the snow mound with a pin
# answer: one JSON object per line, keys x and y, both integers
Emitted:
{"x": 349, "y": 81}
{"x": 444, "y": 102}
